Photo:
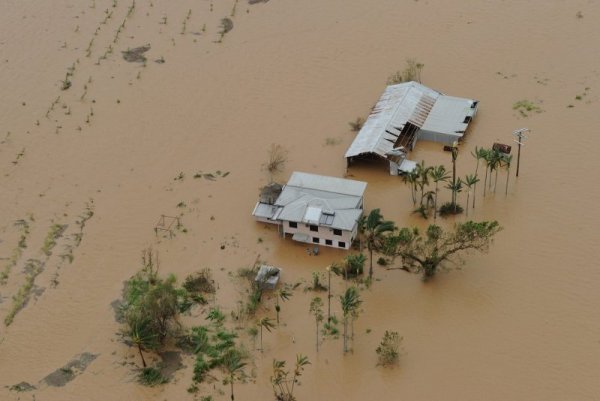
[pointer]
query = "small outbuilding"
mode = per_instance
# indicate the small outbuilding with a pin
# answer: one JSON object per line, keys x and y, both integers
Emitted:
{"x": 267, "y": 277}
{"x": 406, "y": 113}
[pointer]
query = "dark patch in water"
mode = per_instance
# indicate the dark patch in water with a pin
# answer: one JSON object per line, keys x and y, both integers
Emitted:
{"x": 136, "y": 55}
{"x": 70, "y": 371}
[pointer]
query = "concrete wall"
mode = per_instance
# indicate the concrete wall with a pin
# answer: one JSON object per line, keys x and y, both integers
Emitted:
{"x": 324, "y": 234}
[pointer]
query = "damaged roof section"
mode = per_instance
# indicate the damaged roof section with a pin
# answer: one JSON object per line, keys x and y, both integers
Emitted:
{"x": 410, "y": 111}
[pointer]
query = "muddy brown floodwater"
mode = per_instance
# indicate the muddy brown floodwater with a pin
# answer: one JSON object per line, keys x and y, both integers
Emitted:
{"x": 124, "y": 140}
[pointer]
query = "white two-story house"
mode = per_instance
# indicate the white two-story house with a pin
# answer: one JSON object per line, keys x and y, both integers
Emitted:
{"x": 314, "y": 209}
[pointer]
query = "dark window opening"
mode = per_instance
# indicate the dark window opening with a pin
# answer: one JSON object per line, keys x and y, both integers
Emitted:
{"x": 314, "y": 228}
{"x": 342, "y": 244}
{"x": 326, "y": 219}
{"x": 337, "y": 232}
{"x": 315, "y": 240}
{"x": 293, "y": 224}
{"x": 467, "y": 119}
{"x": 328, "y": 242}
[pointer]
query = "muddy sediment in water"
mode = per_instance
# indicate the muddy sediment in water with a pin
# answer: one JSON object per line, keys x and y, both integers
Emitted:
{"x": 133, "y": 142}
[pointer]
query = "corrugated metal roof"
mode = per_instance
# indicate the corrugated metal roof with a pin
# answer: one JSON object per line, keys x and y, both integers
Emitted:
{"x": 401, "y": 103}
{"x": 448, "y": 115}
{"x": 307, "y": 196}
{"x": 326, "y": 183}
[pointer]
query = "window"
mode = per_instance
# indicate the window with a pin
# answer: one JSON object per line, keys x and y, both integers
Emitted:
{"x": 467, "y": 119}
{"x": 315, "y": 240}
{"x": 328, "y": 242}
{"x": 327, "y": 218}
{"x": 341, "y": 244}
{"x": 293, "y": 224}
{"x": 337, "y": 232}
{"x": 314, "y": 228}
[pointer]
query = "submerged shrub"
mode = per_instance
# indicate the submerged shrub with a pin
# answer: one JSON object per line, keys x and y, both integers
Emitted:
{"x": 151, "y": 377}
{"x": 389, "y": 348}
{"x": 450, "y": 208}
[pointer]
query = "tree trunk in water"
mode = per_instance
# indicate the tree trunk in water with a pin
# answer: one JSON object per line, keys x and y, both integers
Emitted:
{"x": 261, "y": 347}
{"x": 232, "y": 397}
{"x": 345, "y": 334}
{"x": 435, "y": 203}
{"x": 485, "y": 181}
{"x": 317, "y": 336}
{"x": 475, "y": 186}
{"x": 468, "y": 193}
{"x": 496, "y": 181}
{"x": 507, "y": 175}
{"x": 142, "y": 355}
{"x": 370, "y": 262}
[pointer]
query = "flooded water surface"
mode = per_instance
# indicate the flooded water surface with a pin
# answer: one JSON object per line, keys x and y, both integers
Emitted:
{"x": 95, "y": 149}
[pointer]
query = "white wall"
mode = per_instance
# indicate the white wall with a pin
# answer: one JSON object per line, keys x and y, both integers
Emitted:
{"x": 324, "y": 233}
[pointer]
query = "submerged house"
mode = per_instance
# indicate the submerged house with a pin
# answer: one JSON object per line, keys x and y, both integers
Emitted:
{"x": 408, "y": 112}
{"x": 314, "y": 209}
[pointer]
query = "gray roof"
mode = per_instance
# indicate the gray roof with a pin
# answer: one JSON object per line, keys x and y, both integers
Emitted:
{"x": 326, "y": 183}
{"x": 408, "y": 102}
{"x": 448, "y": 114}
{"x": 319, "y": 200}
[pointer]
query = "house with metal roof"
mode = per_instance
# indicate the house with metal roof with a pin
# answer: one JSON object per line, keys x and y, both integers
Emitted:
{"x": 315, "y": 209}
{"x": 406, "y": 113}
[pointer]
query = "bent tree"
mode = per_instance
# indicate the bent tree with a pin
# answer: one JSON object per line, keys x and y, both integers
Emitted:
{"x": 427, "y": 252}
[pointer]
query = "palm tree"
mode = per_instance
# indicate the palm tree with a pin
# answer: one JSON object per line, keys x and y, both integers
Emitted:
{"x": 479, "y": 153}
{"x": 411, "y": 179}
{"x": 233, "y": 364}
{"x": 470, "y": 181}
{"x": 281, "y": 383}
{"x": 361, "y": 230}
{"x": 422, "y": 173}
{"x": 316, "y": 309}
{"x": 455, "y": 187}
{"x": 142, "y": 334}
{"x": 374, "y": 229}
{"x": 507, "y": 161}
{"x": 438, "y": 174}
{"x": 492, "y": 160}
{"x": 497, "y": 158}
{"x": 284, "y": 295}
{"x": 350, "y": 302}
{"x": 489, "y": 163}
{"x": 266, "y": 323}
{"x": 454, "y": 157}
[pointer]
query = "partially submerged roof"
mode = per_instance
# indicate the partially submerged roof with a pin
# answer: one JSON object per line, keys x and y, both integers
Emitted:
{"x": 317, "y": 200}
{"x": 410, "y": 102}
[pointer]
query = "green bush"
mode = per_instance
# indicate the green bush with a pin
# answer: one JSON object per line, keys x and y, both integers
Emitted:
{"x": 151, "y": 377}
{"x": 450, "y": 208}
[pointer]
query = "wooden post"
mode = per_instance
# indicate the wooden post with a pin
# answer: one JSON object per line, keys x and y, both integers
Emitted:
{"x": 519, "y": 155}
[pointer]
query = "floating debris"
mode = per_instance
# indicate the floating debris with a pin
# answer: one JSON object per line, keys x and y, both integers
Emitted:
{"x": 136, "y": 55}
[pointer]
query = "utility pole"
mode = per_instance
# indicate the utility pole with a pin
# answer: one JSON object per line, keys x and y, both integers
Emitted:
{"x": 329, "y": 294}
{"x": 521, "y": 137}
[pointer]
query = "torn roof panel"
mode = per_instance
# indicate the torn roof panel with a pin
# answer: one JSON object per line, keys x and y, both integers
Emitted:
{"x": 408, "y": 102}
